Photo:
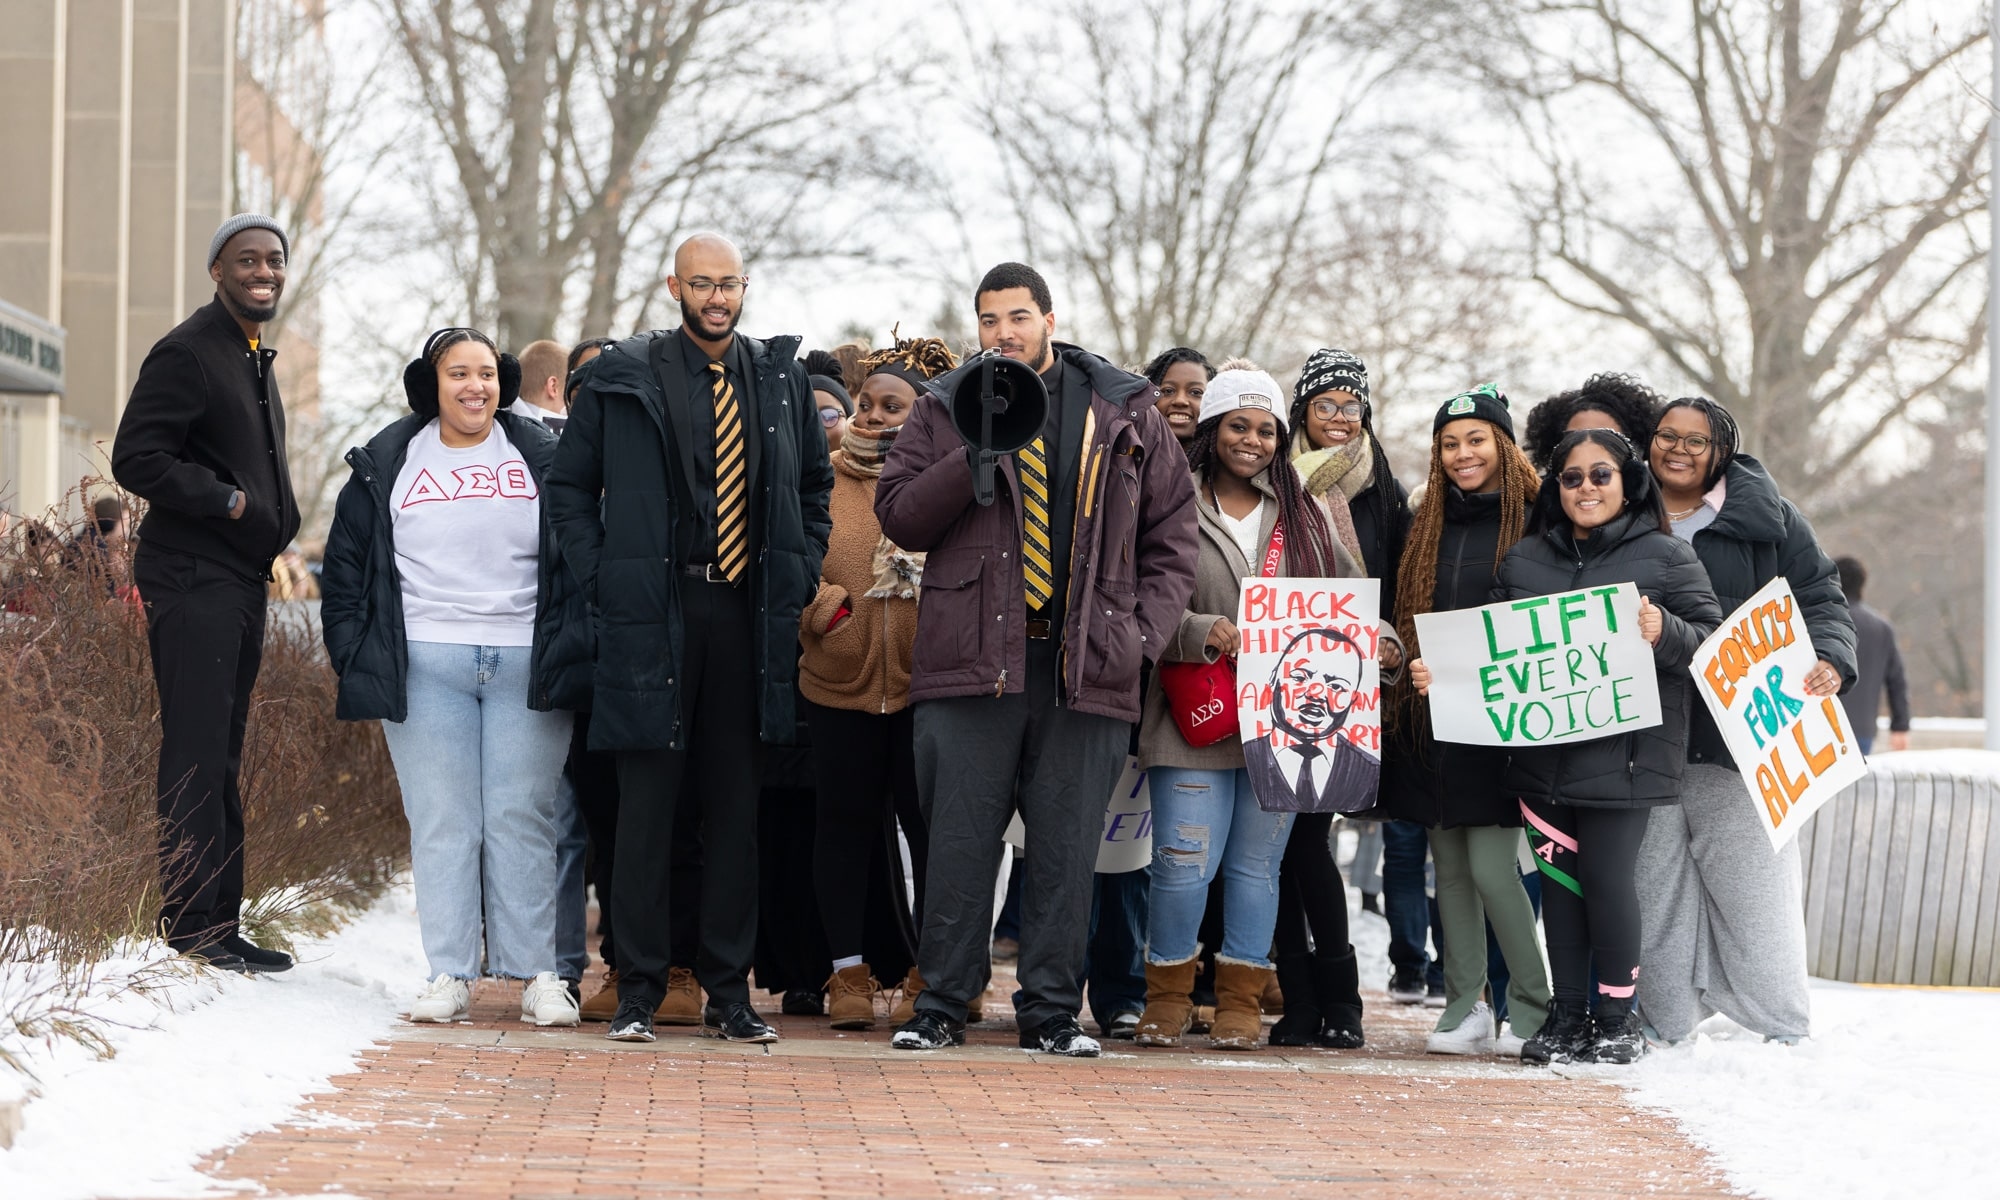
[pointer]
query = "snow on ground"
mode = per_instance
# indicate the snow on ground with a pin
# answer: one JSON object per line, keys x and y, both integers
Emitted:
{"x": 1893, "y": 1095}
{"x": 203, "y": 1060}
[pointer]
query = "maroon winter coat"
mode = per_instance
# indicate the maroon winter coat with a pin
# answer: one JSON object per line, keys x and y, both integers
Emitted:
{"x": 1132, "y": 557}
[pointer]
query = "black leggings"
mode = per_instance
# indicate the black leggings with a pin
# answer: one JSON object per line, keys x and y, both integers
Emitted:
{"x": 1312, "y": 916}
{"x": 866, "y": 769}
{"x": 1589, "y": 859}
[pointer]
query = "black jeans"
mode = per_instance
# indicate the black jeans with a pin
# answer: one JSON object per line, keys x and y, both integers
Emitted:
{"x": 1589, "y": 860}
{"x": 977, "y": 758}
{"x": 716, "y": 770}
{"x": 205, "y": 625}
{"x": 866, "y": 779}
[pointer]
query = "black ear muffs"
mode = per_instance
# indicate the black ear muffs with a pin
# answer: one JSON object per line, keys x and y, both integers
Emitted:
{"x": 420, "y": 376}
{"x": 1638, "y": 479}
{"x": 510, "y": 379}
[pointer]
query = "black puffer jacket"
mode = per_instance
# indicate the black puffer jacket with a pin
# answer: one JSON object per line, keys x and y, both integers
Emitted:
{"x": 361, "y": 606}
{"x": 1757, "y": 537}
{"x": 1641, "y": 768}
{"x": 1444, "y": 784}
{"x": 615, "y": 502}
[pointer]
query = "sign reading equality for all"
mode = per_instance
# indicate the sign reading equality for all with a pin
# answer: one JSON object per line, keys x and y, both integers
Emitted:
{"x": 1566, "y": 667}
{"x": 1795, "y": 750}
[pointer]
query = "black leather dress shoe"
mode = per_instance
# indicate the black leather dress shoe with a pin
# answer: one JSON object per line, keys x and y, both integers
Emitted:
{"x": 1060, "y": 1035}
{"x": 255, "y": 957}
{"x": 632, "y": 1023}
{"x": 736, "y": 1023}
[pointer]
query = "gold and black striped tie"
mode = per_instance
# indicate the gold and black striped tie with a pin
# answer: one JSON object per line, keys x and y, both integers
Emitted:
{"x": 1038, "y": 571}
{"x": 732, "y": 498}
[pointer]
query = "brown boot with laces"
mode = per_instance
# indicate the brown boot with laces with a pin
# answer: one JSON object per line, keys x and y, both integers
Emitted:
{"x": 850, "y": 998}
{"x": 682, "y": 1003}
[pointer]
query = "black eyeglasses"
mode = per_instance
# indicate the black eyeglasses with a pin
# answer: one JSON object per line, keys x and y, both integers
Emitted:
{"x": 1327, "y": 410}
{"x": 700, "y": 287}
{"x": 1600, "y": 476}
{"x": 830, "y": 417}
{"x": 1694, "y": 443}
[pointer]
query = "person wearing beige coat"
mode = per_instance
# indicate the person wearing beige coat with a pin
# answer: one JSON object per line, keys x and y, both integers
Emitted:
{"x": 1206, "y": 821}
{"x": 856, "y": 638}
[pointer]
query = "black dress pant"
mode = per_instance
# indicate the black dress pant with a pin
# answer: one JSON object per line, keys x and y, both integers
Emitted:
{"x": 866, "y": 782}
{"x": 715, "y": 770}
{"x": 205, "y": 625}
{"x": 593, "y": 774}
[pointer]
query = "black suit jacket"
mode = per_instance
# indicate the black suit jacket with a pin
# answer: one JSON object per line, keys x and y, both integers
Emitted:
{"x": 678, "y": 415}
{"x": 1349, "y": 787}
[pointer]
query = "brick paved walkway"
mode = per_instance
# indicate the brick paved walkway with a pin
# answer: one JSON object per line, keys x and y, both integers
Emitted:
{"x": 494, "y": 1108}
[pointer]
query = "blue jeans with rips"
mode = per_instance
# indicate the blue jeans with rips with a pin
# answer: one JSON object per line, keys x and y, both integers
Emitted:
{"x": 1205, "y": 822}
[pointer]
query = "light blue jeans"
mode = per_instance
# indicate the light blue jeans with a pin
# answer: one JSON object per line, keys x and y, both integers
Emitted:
{"x": 572, "y": 921}
{"x": 478, "y": 770}
{"x": 1205, "y": 821}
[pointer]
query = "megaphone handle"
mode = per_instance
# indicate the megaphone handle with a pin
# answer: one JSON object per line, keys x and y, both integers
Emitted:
{"x": 983, "y": 465}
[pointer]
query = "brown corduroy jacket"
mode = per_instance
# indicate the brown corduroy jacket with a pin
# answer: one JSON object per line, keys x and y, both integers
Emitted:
{"x": 862, "y": 664}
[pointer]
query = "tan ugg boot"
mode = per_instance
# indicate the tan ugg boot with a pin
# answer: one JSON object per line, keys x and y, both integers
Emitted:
{"x": 850, "y": 995}
{"x": 906, "y": 999}
{"x": 1239, "y": 1015}
{"x": 1168, "y": 1004}
{"x": 682, "y": 1003}
{"x": 603, "y": 1003}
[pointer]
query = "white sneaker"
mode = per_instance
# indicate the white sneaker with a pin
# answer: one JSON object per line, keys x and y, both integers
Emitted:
{"x": 546, "y": 1001}
{"x": 1474, "y": 1035}
{"x": 1506, "y": 1044}
{"x": 444, "y": 1000}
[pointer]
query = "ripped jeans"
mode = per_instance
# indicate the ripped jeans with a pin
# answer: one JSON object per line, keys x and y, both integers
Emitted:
{"x": 1205, "y": 822}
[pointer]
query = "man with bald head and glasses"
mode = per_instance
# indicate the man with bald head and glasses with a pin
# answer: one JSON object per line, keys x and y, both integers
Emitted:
{"x": 690, "y": 495}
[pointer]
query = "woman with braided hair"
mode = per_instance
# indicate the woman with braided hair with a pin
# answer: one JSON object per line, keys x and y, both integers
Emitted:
{"x": 1206, "y": 819}
{"x": 856, "y": 637}
{"x": 1472, "y": 510}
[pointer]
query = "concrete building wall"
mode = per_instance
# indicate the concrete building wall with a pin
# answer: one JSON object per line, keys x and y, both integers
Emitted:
{"x": 118, "y": 144}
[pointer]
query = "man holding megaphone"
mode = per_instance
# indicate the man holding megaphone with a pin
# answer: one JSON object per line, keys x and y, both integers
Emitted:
{"x": 1055, "y": 507}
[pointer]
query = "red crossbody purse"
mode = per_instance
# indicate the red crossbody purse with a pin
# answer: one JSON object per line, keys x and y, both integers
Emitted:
{"x": 1201, "y": 696}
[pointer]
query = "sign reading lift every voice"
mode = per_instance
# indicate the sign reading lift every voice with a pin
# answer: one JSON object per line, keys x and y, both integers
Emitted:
{"x": 1541, "y": 671}
{"x": 1795, "y": 750}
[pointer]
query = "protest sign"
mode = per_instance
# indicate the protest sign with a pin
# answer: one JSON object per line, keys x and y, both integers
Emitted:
{"x": 1308, "y": 692}
{"x": 1128, "y": 825}
{"x": 1542, "y": 671}
{"x": 1795, "y": 751}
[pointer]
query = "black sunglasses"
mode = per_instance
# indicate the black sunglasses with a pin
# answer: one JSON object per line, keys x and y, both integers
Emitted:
{"x": 1600, "y": 476}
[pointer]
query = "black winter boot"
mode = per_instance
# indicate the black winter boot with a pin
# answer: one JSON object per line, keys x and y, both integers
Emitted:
{"x": 1617, "y": 1036}
{"x": 1564, "y": 1037}
{"x": 1337, "y": 982}
{"x": 1301, "y": 1023}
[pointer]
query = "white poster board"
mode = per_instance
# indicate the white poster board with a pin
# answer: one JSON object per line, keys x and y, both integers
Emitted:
{"x": 1128, "y": 825}
{"x": 1308, "y": 691}
{"x": 1567, "y": 667}
{"x": 1795, "y": 751}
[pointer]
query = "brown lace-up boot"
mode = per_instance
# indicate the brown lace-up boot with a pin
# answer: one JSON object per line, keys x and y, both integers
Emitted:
{"x": 850, "y": 995}
{"x": 682, "y": 1003}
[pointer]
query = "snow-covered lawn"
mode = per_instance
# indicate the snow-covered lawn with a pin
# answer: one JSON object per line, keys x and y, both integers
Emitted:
{"x": 224, "y": 1057}
{"x": 1895, "y": 1095}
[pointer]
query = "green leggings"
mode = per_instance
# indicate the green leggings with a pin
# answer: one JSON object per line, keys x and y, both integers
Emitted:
{"x": 1479, "y": 880}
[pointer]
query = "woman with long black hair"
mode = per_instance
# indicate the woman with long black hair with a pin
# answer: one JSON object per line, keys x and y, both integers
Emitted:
{"x": 1724, "y": 913}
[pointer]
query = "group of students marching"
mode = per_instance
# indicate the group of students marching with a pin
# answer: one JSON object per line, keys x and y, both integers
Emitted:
{"x": 473, "y": 623}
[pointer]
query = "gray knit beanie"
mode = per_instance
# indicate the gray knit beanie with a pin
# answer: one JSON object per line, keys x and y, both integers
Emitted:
{"x": 237, "y": 224}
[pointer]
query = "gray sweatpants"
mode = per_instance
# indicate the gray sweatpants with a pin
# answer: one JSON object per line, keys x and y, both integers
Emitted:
{"x": 1722, "y": 915}
{"x": 977, "y": 758}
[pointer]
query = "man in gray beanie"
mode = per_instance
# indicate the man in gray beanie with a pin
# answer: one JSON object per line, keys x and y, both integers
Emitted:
{"x": 202, "y": 440}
